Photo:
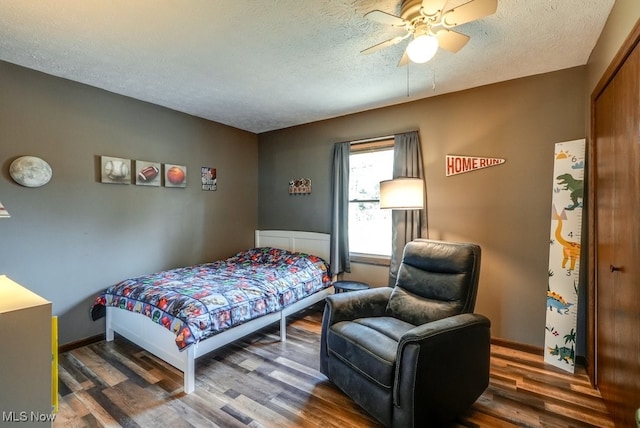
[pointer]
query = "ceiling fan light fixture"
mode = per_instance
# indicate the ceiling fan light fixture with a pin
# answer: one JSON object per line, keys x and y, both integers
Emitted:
{"x": 422, "y": 48}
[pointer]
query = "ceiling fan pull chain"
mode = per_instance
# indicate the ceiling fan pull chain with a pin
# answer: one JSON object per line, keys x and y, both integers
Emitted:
{"x": 433, "y": 83}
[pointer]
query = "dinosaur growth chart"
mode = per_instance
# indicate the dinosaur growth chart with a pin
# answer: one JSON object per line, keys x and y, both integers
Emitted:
{"x": 564, "y": 254}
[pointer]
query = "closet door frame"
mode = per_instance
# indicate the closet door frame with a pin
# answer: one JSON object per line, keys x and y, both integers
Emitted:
{"x": 632, "y": 40}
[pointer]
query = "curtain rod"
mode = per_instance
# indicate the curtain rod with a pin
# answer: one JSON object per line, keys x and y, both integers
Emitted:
{"x": 374, "y": 139}
{"x": 371, "y": 140}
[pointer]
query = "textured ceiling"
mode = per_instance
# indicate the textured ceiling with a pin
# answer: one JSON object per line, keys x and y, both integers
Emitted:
{"x": 262, "y": 65}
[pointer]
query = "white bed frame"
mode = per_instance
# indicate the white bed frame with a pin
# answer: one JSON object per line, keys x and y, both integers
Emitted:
{"x": 161, "y": 342}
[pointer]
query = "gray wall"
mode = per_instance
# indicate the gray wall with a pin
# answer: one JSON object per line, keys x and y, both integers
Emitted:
{"x": 506, "y": 209}
{"x": 75, "y": 236}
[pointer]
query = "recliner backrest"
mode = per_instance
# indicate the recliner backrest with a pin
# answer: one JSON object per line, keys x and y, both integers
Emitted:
{"x": 436, "y": 279}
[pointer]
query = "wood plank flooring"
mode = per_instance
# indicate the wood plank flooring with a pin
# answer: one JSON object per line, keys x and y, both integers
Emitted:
{"x": 261, "y": 382}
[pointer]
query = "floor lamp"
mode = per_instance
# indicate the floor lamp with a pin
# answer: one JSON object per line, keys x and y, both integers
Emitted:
{"x": 402, "y": 193}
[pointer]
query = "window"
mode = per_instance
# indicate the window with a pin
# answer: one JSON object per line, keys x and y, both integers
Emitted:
{"x": 369, "y": 226}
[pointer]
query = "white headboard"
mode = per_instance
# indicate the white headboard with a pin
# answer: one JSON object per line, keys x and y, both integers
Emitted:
{"x": 314, "y": 243}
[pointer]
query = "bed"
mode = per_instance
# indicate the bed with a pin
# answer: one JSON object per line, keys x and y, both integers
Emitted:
{"x": 289, "y": 286}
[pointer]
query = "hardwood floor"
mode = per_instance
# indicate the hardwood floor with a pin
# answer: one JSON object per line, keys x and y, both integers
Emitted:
{"x": 261, "y": 382}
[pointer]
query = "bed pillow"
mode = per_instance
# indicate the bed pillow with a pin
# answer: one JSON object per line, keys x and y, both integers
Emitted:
{"x": 278, "y": 257}
{"x": 263, "y": 255}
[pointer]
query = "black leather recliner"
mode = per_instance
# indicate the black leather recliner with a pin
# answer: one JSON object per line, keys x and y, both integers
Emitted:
{"x": 412, "y": 355}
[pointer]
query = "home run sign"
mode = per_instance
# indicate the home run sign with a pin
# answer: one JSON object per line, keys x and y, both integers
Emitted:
{"x": 459, "y": 164}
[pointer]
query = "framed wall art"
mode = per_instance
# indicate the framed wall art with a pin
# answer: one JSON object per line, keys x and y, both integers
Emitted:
{"x": 300, "y": 186}
{"x": 115, "y": 170}
{"x": 147, "y": 173}
{"x": 209, "y": 179}
{"x": 175, "y": 175}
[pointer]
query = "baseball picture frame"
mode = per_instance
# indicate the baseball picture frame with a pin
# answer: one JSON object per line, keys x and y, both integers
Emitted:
{"x": 115, "y": 170}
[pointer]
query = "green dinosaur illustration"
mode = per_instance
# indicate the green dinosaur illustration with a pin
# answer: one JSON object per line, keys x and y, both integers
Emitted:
{"x": 564, "y": 353}
{"x": 575, "y": 187}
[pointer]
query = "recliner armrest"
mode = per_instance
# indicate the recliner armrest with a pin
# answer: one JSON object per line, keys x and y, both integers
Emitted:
{"x": 442, "y": 365}
{"x": 357, "y": 304}
{"x": 349, "y": 306}
{"x": 442, "y": 326}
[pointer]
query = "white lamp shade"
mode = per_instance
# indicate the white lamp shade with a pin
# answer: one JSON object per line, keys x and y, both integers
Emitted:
{"x": 402, "y": 193}
{"x": 422, "y": 48}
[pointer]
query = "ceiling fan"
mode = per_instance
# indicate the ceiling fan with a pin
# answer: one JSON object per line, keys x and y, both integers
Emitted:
{"x": 431, "y": 26}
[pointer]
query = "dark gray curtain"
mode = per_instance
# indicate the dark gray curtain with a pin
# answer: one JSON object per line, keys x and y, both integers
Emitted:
{"x": 340, "y": 209}
{"x": 407, "y": 224}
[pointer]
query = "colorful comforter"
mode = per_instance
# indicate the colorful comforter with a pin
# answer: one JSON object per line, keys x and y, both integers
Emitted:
{"x": 199, "y": 301}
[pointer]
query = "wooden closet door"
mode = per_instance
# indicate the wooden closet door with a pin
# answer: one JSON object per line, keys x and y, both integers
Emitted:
{"x": 617, "y": 137}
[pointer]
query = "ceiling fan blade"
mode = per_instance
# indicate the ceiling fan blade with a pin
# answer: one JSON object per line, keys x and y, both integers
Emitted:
{"x": 451, "y": 41}
{"x": 404, "y": 60}
{"x": 385, "y": 18}
{"x": 470, "y": 11}
{"x": 432, "y": 7}
{"x": 382, "y": 45}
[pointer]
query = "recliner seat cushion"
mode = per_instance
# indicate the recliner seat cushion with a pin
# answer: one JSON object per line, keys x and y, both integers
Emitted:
{"x": 369, "y": 346}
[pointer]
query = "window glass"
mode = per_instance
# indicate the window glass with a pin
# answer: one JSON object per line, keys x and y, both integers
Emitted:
{"x": 369, "y": 226}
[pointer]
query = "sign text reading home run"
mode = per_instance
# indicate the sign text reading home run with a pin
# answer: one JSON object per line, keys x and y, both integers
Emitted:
{"x": 459, "y": 164}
